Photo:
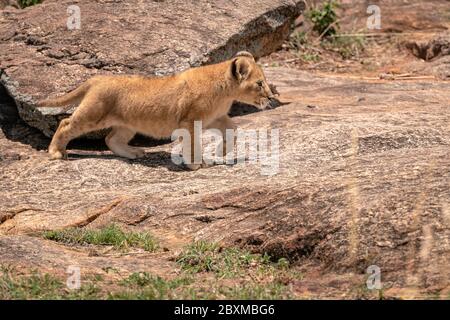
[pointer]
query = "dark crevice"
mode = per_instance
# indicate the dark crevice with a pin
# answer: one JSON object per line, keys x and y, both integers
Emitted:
{"x": 432, "y": 50}
{"x": 14, "y": 128}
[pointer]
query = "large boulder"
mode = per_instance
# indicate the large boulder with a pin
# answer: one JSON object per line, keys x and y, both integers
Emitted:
{"x": 42, "y": 57}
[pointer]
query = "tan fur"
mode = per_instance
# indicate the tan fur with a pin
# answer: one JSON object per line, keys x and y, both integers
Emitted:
{"x": 157, "y": 106}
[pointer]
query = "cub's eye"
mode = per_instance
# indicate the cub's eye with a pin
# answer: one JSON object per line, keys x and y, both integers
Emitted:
{"x": 259, "y": 83}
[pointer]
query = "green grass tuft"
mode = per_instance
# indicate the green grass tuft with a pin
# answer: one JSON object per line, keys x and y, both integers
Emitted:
{"x": 27, "y": 3}
{"x": 347, "y": 46}
{"x": 40, "y": 286}
{"x": 204, "y": 256}
{"x": 110, "y": 235}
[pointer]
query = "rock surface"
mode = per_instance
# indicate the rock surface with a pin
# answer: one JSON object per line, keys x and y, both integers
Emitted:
{"x": 42, "y": 57}
{"x": 364, "y": 179}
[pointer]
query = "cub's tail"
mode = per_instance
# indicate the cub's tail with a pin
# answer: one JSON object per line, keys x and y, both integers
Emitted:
{"x": 71, "y": 97}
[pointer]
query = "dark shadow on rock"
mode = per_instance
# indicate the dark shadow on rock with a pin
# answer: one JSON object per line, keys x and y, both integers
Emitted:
{"x": 151, "y": 159}
{"x": 14, "y": 128}
{"x": 100, "y": 145}
{"x": 435, "y": 48}
{"x": 242, "y": 109}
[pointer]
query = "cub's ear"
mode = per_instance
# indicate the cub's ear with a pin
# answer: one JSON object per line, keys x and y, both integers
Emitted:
{"x": 240, "y": 68}
{"x": 244, "y": 54}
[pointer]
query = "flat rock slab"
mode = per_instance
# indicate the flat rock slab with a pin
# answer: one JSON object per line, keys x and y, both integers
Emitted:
{"x": 40, "y": 57}
{"x": 363, "y": 179}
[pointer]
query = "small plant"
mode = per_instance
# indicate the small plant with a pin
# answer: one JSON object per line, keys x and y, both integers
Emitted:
{"x": 310, "y": 57}
{"x": 110, "y": 235}
{"x": 324, "y": 19}
{"x": 143, "y": 279}
{"x": 203, "y": 256}
{"x": 283, "y": 263}
{"x": 346, "y": 46}
{"x": 298, "y": 40}
{"x": 27, "y": 3}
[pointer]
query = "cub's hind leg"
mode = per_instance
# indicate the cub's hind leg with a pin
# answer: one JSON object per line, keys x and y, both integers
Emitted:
{"x": 57, "y": 148}
{"x": 69, "y": 129}
{"x": 89, "y": 116}
{"x": 117, "y": 140}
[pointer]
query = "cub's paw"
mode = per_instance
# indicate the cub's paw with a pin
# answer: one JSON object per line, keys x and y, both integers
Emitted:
{"x": 193, "y": 166}
{"x": 58, "y": 155}
{"x": 139, "y": 153}
{"x": 196, "y": 166}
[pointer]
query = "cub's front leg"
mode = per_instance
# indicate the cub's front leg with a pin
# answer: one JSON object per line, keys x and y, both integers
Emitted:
{"x": 192, "y": 146}
{"x": 222, "y": 124}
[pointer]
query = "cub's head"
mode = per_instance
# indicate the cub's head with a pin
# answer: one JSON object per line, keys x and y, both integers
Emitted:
{"x": 249, "y": 76}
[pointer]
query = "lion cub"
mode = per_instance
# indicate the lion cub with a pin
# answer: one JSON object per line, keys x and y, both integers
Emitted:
{"x": 156, "y": 106}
